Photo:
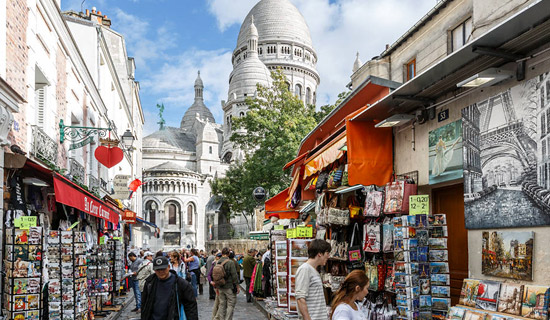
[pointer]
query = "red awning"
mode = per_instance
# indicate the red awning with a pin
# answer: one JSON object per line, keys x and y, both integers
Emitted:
{"x": 277, "y": 205}
{"x": 300, "y": 157}
{"x": 70, "y": 194}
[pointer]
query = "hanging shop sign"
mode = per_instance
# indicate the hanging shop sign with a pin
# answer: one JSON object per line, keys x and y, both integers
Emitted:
{"x": 81, "y": 144}
{"x": 109, "y": 156}
{"x": 71, "y": 195}
{"x": 120, "y": 186}
{"x": 129, "y": 216}
{"x": 259, "y": 194}
{"x": 419, "y": 204}
{"x": 304, "y": 232}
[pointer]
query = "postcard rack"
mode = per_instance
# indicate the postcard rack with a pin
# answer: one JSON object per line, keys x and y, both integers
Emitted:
{"x": 22, "y": 294}
{"x": 100, "y": 277}
{"x": 67, "y": 270}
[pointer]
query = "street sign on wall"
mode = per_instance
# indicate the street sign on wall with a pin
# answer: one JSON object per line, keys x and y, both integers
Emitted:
{"x": 120, "y": 186}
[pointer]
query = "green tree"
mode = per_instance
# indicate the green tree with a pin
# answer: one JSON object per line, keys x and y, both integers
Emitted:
{"x": 327, "y": 108}
{"x": 269, "y": 134}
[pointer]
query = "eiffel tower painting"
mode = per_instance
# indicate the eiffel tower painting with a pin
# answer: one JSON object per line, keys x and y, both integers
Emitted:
{"x": 505, "y": 150}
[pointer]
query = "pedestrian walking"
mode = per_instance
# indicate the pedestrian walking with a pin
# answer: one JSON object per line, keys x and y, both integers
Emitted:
{"x": 165, "y": 293}
{"x": 248, "y": 268}
{"x": 224, "y": 276}
{"x": 211, "y": 282}
{"x": 209, "y": 261}
{"x": 176, "y": 264}
{"x": 309, "y": 286}
{"x": 145, "y": 269}
{"x": 194, "y": 268}
{"x": 134, "y": 284}
{"x": 354, "y": 288}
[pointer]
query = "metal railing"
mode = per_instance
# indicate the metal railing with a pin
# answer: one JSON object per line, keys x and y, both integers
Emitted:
{"x": 43, "y": 147}
{"x": 76, "y": 171}
{"x": 93, "y": 184}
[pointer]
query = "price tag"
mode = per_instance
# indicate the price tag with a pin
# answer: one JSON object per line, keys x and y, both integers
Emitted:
{"x": 290, "y": 233}
{"x": 27, "y": 222}
{"x": 279, "y": 227}
{"x": 17, "y": 222}
{"x": 419, "y": 204}
{"x": 305, "y": 232}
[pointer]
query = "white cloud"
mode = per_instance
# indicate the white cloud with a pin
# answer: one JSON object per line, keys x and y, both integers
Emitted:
{"x": 229, "y": 12}
{"x": 339, "y": 29}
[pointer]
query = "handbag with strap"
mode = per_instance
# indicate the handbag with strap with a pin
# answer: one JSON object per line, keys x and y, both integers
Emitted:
{"x": 371, "y": 234}
{"x": 355, "y": 251}
{"x": 181, "y": 310}
{"x": 374, "y": 202}
{"x": 397, "y": 196}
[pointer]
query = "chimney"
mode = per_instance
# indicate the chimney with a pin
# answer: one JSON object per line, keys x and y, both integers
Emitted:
{"x": 87, "y": 12}
{"x": 387, "y": 46}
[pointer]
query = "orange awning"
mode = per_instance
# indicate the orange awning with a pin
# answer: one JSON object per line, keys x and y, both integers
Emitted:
{"x": 370, "y": 153}
{"x": 298, "y": 158}
{"x": 277, "y": 205}
{"x": 324, "y": 157}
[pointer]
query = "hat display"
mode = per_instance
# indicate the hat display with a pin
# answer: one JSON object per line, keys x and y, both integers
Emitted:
{"x": 160, "y": 263}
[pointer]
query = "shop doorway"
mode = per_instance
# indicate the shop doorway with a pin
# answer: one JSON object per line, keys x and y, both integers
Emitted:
{"x": 450, "y": 200}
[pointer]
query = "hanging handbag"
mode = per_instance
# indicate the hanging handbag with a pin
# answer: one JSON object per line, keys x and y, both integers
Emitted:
{"x": 181, "y": 310}
{"x": 355, "y": 251}
{"x": 322, "y": 181}
{"x": 387, "y": 235}
{"x": 397, "y": 196}
{"x": 373, "y": 202}
{"x": 355, "y": 211}
{"x": 371, "y": 234}
{"x": 372, "y": 274}
{"x": 320, "y": 210}
{"x": 381, "y": 269}
{"x": 335, "y": 177}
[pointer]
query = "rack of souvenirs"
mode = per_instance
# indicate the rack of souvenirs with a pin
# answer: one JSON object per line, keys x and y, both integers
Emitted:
{"x": 100, "y": 275}
{"x": 492, "y": 300}
{"x": 22, "y": 292}
{"x": 67, "y": 271}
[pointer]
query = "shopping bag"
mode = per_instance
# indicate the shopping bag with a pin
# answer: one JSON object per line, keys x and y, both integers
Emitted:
{"x": 355, "y": 251}
{"x": 387, "y": 235}
{"x": 373, "y": 203}
{"x": 371, "y": 234}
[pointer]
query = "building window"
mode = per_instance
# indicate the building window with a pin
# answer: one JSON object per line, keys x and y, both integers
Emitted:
{"x": 542, "y": 97}
{"x": 210, "y": 149}
{"x": 298, "y": 91}
{"x": 172, "y": 215}
{"x": 308, "y": 95}
{"x": 542, "y": 125}
{"x": 151, "y": 207}
{"x": 410, "y": 69}
{"x": 40, "y": 106}
{"x": 190, "y": 213}
{"x": 547, "y": 91}
{"x": 461, "y": 34}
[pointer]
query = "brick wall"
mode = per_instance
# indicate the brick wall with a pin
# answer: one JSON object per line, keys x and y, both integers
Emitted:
{"x": 61, "y": 100}
{"x": 17, "y": 20}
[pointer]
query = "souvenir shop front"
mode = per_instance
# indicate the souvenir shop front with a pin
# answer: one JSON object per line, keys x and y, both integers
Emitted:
{"x": 63, "y": 258}
{"x": 458, "y": 230}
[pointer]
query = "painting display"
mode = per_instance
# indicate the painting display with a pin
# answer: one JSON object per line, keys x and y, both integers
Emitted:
{"x": 510, "y": 297}
{"x": 445, "y": 153}
{"x": 535, "y": 302}
{"x": 506, "y": 159}
{"x": 508, "y": 254}
{"x": 487, "y": 295}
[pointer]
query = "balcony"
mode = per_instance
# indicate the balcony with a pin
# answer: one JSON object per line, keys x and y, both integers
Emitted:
{"x": 76, "y": 171}
{"x": 93, "y": 184}
{"x": 43, "y": 147}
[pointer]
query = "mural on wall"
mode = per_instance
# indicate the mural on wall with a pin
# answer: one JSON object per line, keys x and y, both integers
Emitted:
{"x": 508, "y": 254}
{"x": 445, "y": 153}
{"x": 506, "y": 152}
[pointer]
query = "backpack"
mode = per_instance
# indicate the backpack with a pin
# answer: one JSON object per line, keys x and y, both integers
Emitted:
{"x": 218, "y": 274}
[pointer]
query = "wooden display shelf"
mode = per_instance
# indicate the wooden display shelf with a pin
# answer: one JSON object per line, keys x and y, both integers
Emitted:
{"x": 493, "y": 312}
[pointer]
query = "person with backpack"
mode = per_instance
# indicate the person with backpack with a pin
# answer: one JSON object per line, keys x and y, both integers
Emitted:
{"x": 211, "y": 283}
{"x": 226, "y": 281}
{"x": 166, "y": 295}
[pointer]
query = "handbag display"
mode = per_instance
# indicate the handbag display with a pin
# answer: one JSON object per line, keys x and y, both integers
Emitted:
{"x": 335, "y": 177}
{"x": 320, "y": 210}
{"x": 338, "y": 249}
{"x": 321, "y": 183}
{"x": 371, "y": 234}
{"x": 355, "y": 252}
{"x": 387, "y": 235}
{"x": 373, "y": 202}
{"x": 397, "y": 196}
{"x": 372, "y": 274}
{"x": 338, "y": 217}
{"x": 355, "y": 211}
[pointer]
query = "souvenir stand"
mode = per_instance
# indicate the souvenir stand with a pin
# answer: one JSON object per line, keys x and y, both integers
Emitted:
{"x": 100, "y": 284}
{"x": 22, "y": 290}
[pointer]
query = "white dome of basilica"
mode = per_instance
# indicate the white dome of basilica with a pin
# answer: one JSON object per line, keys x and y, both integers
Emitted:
{"x": 276, "y": 20}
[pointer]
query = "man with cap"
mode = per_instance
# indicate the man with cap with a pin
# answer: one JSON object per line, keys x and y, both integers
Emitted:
{"x": 145, "y": 269}
{"x": 164, "y": 292}
{"x": 248, "y": 268}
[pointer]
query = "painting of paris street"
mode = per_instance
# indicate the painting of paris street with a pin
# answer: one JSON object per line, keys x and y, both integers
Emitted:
{"x": 506, "y": 150}
{"x": 508, "y": 254}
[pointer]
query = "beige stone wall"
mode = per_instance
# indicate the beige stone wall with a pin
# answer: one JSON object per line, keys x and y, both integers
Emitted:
{"x": 408, "y": 160}
{"x": 488, "y": 13}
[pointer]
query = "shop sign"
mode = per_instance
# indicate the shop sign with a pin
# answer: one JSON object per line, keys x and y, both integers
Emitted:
{"x": 25, "y": 222}
{"x": 304, "y": 232}
{"x": 419, "y": 204}
{"x": 259, "y": 193}
{"x": 81, "y": 144}
{"x": 129, "y": 216}
{"x": 291, "y": 233}
{"x": 279, "y": 227}
{"x": 443, "y": 115}
{"x": 120, "y": 186}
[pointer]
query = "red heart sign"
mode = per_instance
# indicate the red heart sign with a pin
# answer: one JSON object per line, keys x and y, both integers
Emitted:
{"x": 109, "y": 157}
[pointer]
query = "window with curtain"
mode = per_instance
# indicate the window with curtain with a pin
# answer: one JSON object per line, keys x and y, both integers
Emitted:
{"x": 190, "y": 213}
{"x": 172, "y": 216}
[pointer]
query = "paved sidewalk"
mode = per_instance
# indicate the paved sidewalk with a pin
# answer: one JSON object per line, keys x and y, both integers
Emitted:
{"x": 243, "y": 310}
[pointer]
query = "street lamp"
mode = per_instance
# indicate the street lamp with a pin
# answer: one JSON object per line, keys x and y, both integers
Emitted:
{"x": 128, "y": 139}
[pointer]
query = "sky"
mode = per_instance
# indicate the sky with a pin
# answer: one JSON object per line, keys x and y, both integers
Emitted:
{"x": 172, "y": 39}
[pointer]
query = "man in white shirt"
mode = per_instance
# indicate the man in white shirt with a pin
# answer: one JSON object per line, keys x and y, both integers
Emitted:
{"x": 309, "y": 286}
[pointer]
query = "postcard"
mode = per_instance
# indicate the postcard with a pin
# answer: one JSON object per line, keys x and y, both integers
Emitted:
{"x": 441, "y": 279}
{"x": 473, "y": 315}
{"x": 439, "y": 267}
{"x": 19, "y": 316}
{"x": 441, "y": 303}
{"x": 422, "y": 254}
{"x": 438, "y": 243}
{"x": 35, "y": 253}
{"x": 397, "y": 222}
{"x": 33, "y": 285}
{"x": 425, "y": 286}
{"x": 468, "y": 293}
{"x": 487, "y": 295}
{"x": 425, "y": 302}
{"x": 20, "y": 268}
{"x": 424, "y": 270}
{"x": 422, "y": 235}
{"x": 439, "y": 255}
{"x": 35, "y": 235}
{"x": 53, "y": 237}
{"x": 21, "y": 236}
{"x": 34, "y": 269}
{"x": 33, "y": 315}
{"x": 509, "y": 300}
{"x": 66, "y": 237}
{"x": 441, "y": 291}
{"x": 535, "y": 302}
{"x": 410, "y": 244}
{"x": 298, "y": 248}
{"x": 33, "y": 301}
{"x": 439, "y": 232}
{"x": 456, "y": 313}
{"x": 20, "y": 303}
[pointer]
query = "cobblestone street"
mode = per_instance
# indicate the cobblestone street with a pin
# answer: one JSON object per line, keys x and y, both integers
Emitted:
{"x": 243, "y": 310}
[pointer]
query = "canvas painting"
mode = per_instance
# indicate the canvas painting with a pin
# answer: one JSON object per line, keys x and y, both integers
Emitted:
{"x": 487, "y": 295}
{"x": 509, "y": 300}
{"x": 508, "y": 254}
{"x": 505, "y": 146}
{"x": 535, "y": 302}
{"x": 445, "y": 153}
{"x": 469, "y": 292}
{"x": 473, "y": 315}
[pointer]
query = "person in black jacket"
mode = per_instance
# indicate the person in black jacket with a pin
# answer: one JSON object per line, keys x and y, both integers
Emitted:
{"x": 159, "y": 300}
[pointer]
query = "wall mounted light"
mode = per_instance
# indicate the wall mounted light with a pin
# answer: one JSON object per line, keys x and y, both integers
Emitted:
{"x": 395, "y": 120}
{"x": 486, "y": 78}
